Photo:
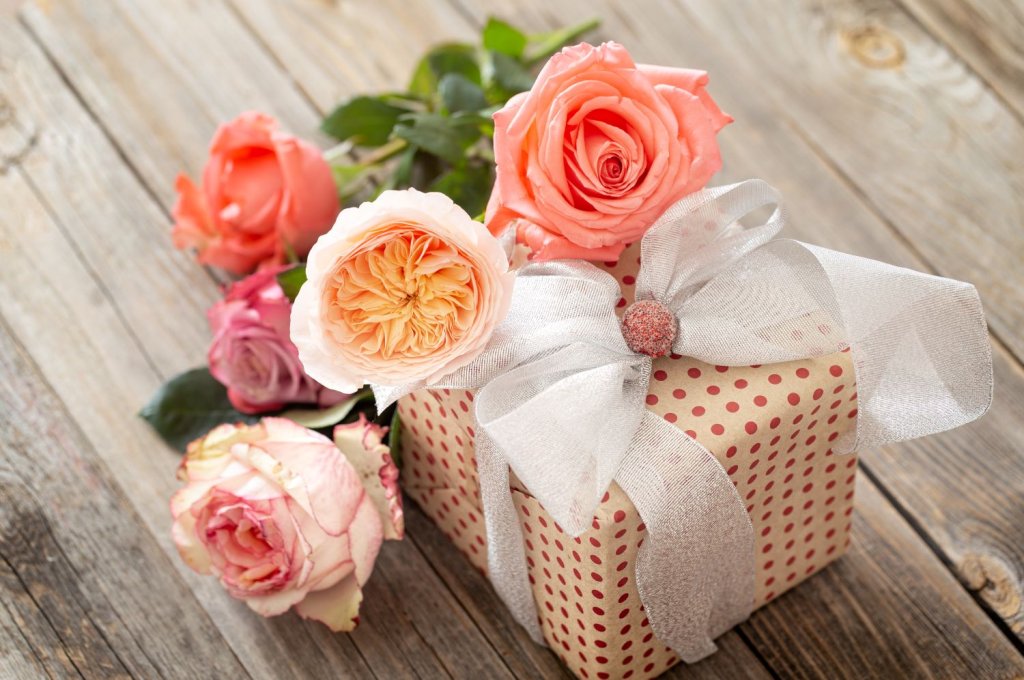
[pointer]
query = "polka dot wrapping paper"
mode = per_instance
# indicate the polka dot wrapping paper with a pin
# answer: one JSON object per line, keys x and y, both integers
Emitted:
{"x": 771, "y": 427}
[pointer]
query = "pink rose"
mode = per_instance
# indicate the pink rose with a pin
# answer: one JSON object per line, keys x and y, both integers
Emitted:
{"x": 265, "y": 194}
{"x": 251, "y": 353}
{"x": 281, "y": 517}
{"x": 407, "y": 288}
{"x": 598, "y": 149}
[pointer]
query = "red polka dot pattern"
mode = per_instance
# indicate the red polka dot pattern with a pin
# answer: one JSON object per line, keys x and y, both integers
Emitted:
{"x": 439, "y": 468}
{"x": 771, "y": 427}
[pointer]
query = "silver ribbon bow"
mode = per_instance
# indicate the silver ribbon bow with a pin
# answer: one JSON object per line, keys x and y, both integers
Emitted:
{"x": 561, "y": 396}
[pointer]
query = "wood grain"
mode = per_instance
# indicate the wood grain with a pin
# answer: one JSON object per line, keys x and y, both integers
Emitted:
{"x": 334, "y": 50}
{"x": 161, "y": 79}
{"x": 986, "y": 35}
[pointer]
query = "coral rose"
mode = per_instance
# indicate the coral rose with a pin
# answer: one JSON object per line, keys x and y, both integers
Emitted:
{"x": 404, "y": 289}
{"x": 252, "y": 354}
{"x": 598, "y": 149}
{"x": 265, "y": 194}
{"x": 281, "y": 517}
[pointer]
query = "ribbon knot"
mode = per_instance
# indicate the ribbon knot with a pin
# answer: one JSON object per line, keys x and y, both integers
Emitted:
{"x": 649, "y": 328}
{"x": 562, "y": 383}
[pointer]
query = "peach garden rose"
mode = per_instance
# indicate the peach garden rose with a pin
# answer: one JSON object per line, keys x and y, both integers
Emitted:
{"x": 265, "y": 194}
{"x": 284, "y": 519}
{"x": 598, "y": 149}
{"x": 404, "y": 289}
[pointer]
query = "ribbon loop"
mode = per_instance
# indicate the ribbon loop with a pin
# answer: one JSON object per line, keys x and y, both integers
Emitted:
{"x": 700, "y": 235}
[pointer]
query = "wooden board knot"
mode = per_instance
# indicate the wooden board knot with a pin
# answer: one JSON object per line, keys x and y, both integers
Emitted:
{"x": 874, "y": 46}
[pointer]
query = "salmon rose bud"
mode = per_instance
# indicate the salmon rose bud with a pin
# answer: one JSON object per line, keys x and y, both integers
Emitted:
{"x": 598, "y": 149}
{"x": 405, "y": 289}
{"x": 265, "y": 194}
{"x": 281, "y": 517}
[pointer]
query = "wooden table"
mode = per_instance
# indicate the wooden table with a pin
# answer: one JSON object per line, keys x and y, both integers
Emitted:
{"x": 894, "y": 127}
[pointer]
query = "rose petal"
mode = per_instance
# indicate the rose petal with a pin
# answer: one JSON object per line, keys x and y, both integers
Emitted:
{"x": 337, "y": 606}
{"x": 309, "y": 467}
{"x": 309, "y": 207}
{"x": 275, "y": 603}
{"x": 365, "y": 537}
{"x": 192, "y": 551}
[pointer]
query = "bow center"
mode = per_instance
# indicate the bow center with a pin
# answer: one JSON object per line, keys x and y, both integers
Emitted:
{"x": 649, "y": 327}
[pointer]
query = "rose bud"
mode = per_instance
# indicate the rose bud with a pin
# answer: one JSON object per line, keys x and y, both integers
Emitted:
{"x": 598, "y": 149}
{"x": 251, "y": 353}
{"x": 362, "y": 442}
{"x": 281, "y": 517}
{"x": 265, "y": 195}
{"x": 404, "y": 289}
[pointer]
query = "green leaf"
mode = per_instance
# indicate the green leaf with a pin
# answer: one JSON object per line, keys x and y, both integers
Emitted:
{"x": 367, "y": 121}
{"x": 395, "y": 439}
{"x": 444, "y": 59}
{"x": 319, "y": 418}
{"x": 447, "y": 137}
{"x": 291, "y": 281}
{"x": 188, "y": 406}
{"x": 468, "y": 186}
{"x": 543, "y": 45}
{"x": 401, "y": 178}
{"x": 351, "y": 179}
{"x": 508, "y": 74}
{"x": 460, "y": 94}
{"x": 500, "y": 37}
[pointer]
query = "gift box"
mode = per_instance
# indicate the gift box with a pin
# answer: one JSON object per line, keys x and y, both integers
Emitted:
{"x": 771, "y": 427}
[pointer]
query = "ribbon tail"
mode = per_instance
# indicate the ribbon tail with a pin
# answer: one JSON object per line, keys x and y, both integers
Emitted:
{"x": 506, "y": 555}
{"x": 695, "y": 571}
{"x": 921, "y": 350}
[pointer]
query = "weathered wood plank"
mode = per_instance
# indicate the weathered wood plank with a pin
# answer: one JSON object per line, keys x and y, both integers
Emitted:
{"x": 106, "y": 359}
{"x": 333, "y": 50}
{"x": 39, "y": 576}
{"x": 111, "y": 217}
{"x": 887, "y": 609}
{"x": 74, "y": 545}
{"x": 967, "y": 488}
{"x": 986, "y": 35}
{"x": 161, "y": 78}
{"x": 29, "y": 646}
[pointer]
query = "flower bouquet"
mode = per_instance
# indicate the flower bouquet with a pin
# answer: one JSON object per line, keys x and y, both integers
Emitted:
{"x": 618, "y": 393}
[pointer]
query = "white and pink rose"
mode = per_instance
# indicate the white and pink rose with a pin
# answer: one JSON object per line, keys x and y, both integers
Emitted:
{"x": 283, "y": 518}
